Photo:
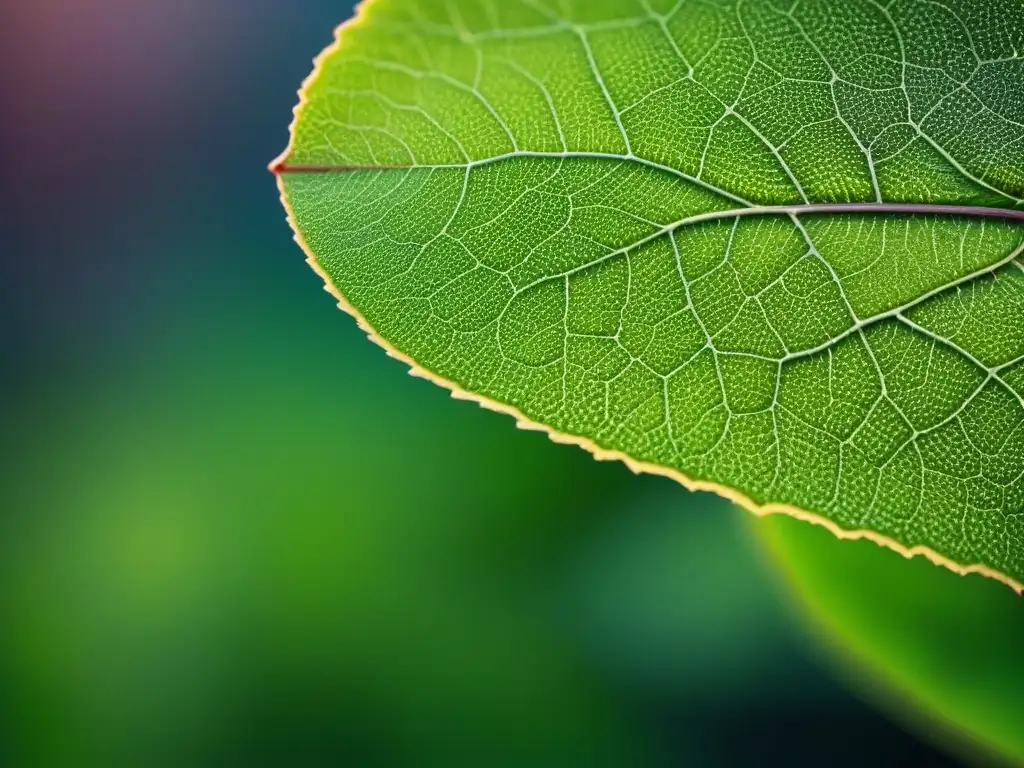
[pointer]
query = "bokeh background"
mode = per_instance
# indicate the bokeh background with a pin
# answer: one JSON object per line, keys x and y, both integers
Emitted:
{"x": 233, "y": 532}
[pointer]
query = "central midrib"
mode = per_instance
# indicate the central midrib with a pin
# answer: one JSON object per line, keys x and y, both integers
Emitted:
{"x": 748, "y": 208}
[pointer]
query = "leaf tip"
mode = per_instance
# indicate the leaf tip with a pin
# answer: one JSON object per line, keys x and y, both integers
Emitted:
{"x": 277, "y": 165}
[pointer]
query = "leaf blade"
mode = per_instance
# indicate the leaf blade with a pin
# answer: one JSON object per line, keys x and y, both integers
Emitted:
{"x": 472, "y": 267}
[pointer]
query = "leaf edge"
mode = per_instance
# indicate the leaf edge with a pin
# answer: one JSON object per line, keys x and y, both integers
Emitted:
{"x": 523, "y": 421}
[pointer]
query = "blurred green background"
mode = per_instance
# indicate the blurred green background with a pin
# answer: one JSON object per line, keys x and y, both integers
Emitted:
{"x": 233, "y": 532}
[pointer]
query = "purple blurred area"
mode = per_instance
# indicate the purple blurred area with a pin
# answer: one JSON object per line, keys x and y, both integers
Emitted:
{"x": 130, "y": 127}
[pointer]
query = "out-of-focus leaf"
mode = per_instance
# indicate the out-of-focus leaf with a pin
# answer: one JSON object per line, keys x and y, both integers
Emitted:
{"x": 947, "y": 644}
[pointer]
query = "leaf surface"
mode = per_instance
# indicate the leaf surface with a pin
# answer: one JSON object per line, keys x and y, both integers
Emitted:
{"x": 770, "y": 249}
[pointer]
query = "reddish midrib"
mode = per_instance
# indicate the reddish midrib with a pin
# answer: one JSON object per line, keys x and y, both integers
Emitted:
{"x": 935, "y": 209}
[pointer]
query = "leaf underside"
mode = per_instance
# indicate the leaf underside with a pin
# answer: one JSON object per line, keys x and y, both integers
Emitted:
{"x": 767, "y": 247}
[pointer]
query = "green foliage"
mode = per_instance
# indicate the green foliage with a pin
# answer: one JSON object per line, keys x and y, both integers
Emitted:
{"x": 949, "y": 645}
{"x": 768, "y": 248}
{"x": 220, "y": 569}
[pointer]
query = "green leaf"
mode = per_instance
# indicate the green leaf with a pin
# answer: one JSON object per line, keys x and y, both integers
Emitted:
{"x": 948, "y": 647}
{"x": 766, "y": 248}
